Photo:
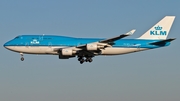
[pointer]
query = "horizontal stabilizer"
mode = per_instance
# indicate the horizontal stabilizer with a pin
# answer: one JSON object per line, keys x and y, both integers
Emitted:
{"x": 162, "y": 42}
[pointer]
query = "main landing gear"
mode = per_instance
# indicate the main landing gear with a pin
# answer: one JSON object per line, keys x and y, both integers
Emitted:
{"x": 87, "y": 59}
{"x": 22, "y": 58}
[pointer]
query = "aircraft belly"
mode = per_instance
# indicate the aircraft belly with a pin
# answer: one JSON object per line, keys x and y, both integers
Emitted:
{"x": 118, "y": 51}
{"x": 32, "y": 50}
{"x": 50, "y": 50}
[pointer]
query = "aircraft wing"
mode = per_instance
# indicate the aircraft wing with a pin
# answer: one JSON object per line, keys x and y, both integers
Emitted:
{"x": 118, "y": 37}
{"x": 107, "y": 42}
{"x": 92, "y": 49}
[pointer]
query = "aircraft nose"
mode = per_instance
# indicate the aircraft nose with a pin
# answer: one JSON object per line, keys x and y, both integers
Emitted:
{"x": 6, "y": 44}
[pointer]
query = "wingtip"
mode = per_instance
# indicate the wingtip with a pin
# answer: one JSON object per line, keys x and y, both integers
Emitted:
{"x": 131, "y": 32}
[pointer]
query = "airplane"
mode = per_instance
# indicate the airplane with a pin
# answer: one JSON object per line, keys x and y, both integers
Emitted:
{"x": 87, "y": 48}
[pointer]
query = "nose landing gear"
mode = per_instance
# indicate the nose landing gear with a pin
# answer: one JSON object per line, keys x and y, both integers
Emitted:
{"x": 22, "y": 58}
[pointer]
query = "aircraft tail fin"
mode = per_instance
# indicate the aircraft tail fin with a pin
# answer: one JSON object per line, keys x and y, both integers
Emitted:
{"x": 159, "y": 30}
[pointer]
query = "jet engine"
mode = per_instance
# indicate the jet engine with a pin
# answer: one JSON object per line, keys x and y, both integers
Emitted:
{"x": 93, "y": 47}
{"x": 66, "y": 53}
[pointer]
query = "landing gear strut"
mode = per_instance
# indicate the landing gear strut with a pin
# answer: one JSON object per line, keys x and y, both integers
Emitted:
{"x": 22, "y": 58}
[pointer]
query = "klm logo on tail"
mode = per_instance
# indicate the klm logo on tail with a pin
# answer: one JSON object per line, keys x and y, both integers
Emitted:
{"x": 158, "y": 31}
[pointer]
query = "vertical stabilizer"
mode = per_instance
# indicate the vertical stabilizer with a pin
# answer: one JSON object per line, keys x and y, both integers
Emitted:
{"x": 159, "y": 30}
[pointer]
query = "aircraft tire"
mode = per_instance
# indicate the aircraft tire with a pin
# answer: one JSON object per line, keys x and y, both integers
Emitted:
{"x": 22, "y": 59}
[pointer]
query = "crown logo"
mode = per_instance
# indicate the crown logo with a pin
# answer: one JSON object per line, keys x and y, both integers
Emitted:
{"x": 158, "y": 28}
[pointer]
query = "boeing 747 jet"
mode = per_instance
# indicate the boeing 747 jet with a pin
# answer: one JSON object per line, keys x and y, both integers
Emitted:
{"x": 87, "y": 48}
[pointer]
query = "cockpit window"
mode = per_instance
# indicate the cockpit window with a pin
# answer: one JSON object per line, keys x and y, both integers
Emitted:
{"x": 18, "y": 37}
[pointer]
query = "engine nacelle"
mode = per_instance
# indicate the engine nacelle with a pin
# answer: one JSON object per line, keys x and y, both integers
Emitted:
{"x": 93, "y": 47}
{"x": 67, "y": 52}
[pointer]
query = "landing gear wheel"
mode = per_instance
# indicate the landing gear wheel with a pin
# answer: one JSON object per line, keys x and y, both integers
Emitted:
{"x": 81, "y": 61}
{"x": 90, "y": 59}
{"x": 86, "y": 60}
{"x": 22, "y": 59}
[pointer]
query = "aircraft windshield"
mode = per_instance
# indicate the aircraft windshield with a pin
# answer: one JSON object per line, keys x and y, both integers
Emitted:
{"x": 18, "y": 37}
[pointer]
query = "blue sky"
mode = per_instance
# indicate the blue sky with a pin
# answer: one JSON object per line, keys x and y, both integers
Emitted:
{"x": 144, "y": 76}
